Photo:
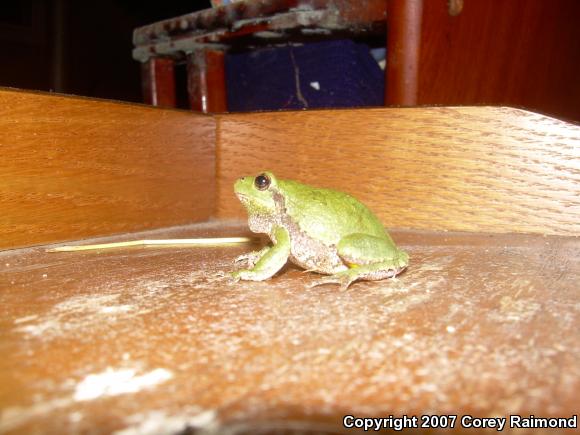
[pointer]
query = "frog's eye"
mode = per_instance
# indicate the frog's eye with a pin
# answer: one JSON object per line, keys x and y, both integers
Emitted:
{"x": 262, "y": 182}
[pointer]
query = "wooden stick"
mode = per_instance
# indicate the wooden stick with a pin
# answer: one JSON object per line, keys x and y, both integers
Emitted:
{"x": 164, "y": 242}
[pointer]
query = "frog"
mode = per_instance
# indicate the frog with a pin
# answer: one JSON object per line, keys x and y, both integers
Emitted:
{"x": 320, "y": 230}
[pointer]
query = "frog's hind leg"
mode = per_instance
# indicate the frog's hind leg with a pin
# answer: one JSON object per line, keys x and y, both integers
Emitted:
{"x": 369, "y": 258}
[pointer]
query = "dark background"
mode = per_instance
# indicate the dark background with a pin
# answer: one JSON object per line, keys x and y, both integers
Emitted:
{"x": 527, "y": 52}
{"x": 78, "y": 47}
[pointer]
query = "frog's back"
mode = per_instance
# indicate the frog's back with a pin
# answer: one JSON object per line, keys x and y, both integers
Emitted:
{"x": 326, "y": 214}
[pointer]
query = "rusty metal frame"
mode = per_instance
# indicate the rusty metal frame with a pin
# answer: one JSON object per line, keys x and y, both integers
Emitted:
{"x": 271, "y": 21}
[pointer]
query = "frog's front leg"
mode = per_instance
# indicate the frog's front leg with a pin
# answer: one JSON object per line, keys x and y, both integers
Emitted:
{"x": 369, "y": 258}
{"x": 271, "y": 261}
{"x": 251, "y": 258}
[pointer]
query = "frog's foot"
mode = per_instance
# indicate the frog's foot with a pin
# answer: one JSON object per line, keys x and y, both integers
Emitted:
{"x": 344, "y": 279}
{"x": 254, "y": 274}
{"x": 251, "y": 258}
{"x": 369, "y": 272}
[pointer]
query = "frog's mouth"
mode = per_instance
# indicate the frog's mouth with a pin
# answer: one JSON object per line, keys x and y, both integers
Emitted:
{"x": 243, "y": 198}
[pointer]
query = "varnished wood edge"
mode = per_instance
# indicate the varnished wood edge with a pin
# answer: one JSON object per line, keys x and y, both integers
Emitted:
{"x": 33, "y": 102}
{"x": 221, "y": 117}
{"x": 80, "y": 98}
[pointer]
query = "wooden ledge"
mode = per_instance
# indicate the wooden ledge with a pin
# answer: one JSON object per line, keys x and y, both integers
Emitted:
{"x": 73, "y": 168}
{"x": 479, "y": 324}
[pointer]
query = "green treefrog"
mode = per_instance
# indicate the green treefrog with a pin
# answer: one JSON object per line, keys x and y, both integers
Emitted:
{"x": 320, "y": 230}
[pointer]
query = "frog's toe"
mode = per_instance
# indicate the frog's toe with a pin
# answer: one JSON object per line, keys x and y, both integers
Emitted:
{"x": 249, "y": 258}
{"x": 235, "y": 276}
{"x": 344, "y": 280}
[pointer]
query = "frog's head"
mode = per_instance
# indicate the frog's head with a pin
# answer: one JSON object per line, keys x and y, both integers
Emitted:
{"x": 256, "y": 193}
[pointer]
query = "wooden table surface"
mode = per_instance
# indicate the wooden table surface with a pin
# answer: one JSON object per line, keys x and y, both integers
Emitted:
{"x": 155, "y": 340}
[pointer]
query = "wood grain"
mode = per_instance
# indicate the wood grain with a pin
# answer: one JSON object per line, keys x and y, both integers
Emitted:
{"x": 94, "y": 342}
{"x": 465, "y": 168}
{"x": 495, "y": 52}
{"x": 73, "y": 168}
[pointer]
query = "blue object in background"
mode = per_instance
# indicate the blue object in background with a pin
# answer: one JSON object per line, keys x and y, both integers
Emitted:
{"x": 316, "y": 75}
{"x": 218, "y": 3}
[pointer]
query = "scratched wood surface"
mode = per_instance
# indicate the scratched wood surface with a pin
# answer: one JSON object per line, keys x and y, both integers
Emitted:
{"x": 74, "y": 168}
{"x": 156, "y": 341}
{"x": 459, "y": 169}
